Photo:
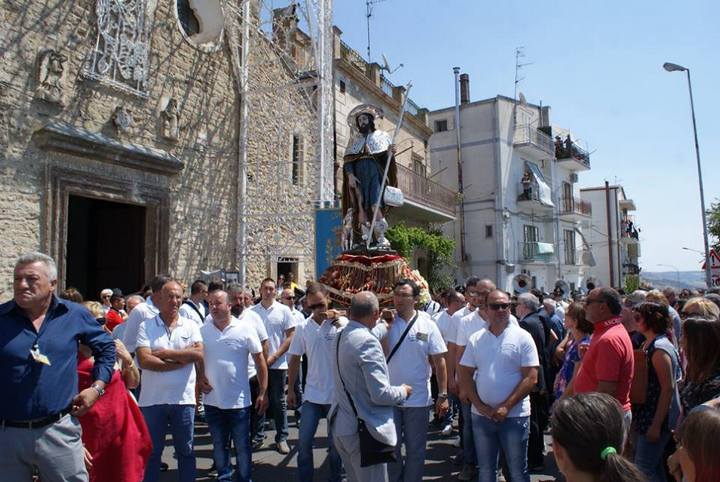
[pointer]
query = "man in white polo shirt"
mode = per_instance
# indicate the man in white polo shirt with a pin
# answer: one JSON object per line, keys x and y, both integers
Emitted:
{"x": 228, "y": 342}
{"x": 168, "y": 346}
{"x": 280, "y": 326}
{"x": 143, "y": 311}
{"x": 498, "y": 370}
{"x": 314, "y": 338}
{"x": 411, "y": 340}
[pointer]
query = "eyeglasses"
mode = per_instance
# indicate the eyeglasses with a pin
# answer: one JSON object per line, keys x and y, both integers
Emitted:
{"x": 403, "y": 295}
{"x": 498, "y": 306}
{"x": 317, "y": 306}
{"x": 288, "y": 297}
{"x": 589, "y": 301}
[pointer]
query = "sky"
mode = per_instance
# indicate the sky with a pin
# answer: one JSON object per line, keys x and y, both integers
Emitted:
{"x": 599, "y": 66}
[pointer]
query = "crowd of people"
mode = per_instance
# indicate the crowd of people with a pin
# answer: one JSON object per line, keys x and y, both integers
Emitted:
{"x": 628, "y": 385}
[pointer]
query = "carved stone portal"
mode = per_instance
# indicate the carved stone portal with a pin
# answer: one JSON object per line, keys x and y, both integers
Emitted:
{"x": 122, "y": 118}
{"x": 51, "y": 77}
{"x": 170, "y": 121}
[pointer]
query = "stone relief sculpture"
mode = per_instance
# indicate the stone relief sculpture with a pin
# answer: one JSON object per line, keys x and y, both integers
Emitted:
{"x": 51, "y": 76}
{"x": 170, "y": 121}
{"x": 122, "y": 118}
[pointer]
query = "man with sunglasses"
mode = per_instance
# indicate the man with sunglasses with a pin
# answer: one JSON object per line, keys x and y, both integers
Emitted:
{"x": 608, "y": 364}
{"x": 498, "y": 370}
{"x": 287, "y": 298}
{"x": 314, "y": 338}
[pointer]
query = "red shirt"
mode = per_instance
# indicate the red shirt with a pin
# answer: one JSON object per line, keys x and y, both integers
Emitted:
{"x": 113, "y": 319}
{"x": 608, "y": 359}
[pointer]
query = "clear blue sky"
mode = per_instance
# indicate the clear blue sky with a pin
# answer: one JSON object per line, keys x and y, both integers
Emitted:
{"x": 599, "y": 66}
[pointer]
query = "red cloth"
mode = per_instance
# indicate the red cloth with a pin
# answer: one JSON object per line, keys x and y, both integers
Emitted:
{"x": 114, "y": 431}
{"x": 113, "y": 319}
{"x": 609, "y": 358}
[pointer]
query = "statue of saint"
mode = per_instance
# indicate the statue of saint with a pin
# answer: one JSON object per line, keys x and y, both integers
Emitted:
{"x": 51, "y": 74}
{"x": 364, "y": 163}
{"x": 170, "y": 117}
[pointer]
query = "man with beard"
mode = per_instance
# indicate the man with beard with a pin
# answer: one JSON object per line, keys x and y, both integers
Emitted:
{"x": 363, "y": 170}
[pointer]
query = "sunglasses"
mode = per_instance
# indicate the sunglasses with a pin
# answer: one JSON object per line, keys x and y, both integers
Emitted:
{"x": 498, "y": 306}
{"x": 288, "y": 297}
{"x": 317, "y": 306}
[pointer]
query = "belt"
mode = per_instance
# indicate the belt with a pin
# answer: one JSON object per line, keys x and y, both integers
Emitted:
{"x": 38, "y": 423}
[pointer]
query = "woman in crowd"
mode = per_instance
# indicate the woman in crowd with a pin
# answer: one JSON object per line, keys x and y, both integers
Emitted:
{"x": 696, "y": 458}
{"x": 700, "y": 342}
{"x": 114, "y": 431}
{"x": 656, "y": 418}
{"x": 569, "y": 350}
{"x": 587, "y": 432}
{"x": 701, "y": 307}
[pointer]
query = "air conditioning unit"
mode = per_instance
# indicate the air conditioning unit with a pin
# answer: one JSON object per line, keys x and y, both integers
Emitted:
{"x": 573, "y": 177}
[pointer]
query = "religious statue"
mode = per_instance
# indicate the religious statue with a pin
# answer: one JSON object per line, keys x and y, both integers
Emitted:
{"x": 170, "y": 118}
{"x": 364, "y": 166}
{"x": 51, "y": 75}
{"x": 122, "y": 118}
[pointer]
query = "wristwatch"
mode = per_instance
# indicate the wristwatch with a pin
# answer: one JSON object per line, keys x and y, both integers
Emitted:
{"x": 442, "y": 396}
{"x": 99, "y": 389}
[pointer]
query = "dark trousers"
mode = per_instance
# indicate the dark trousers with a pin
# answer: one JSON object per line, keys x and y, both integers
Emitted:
{"x": 538, "y": 421}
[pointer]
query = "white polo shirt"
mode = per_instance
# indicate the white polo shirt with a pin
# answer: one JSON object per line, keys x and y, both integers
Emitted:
{"x": 175, "y": 387}
{"x": 193, "y": 312}
{"x": 410, "y": 364}
{"x": 226, "y": 363}
{"x": 251, "y": 319}
{"x": 316, "y": 341}
{"x": 498, "y": 361}
{"x": 472, "y": 323}
{"x": 143, "y": 311}
{"x": 277, "y": 319}
{"x": 454, "y": 324}
{"x": 443, "y": 321}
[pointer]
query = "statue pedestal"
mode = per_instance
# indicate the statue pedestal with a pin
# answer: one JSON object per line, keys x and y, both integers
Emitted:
{"x": 375, "y": 270}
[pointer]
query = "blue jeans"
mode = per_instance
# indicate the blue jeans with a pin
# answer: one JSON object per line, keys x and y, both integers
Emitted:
{"x": 226, "y": 425}
{"x": 512, "y": 436}
{"x": 311, "y": 415}
{"x": 466, "y": 435}
{"x": 411, "y": 426}
{"x": 277, "y": 380}
{"x": 181, "y": 420}
{"x": 649, "y": 456}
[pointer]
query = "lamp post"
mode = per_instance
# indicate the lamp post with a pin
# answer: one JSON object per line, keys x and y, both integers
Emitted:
{"x": 677, "y": 271}
{"x": 670, "y": 67}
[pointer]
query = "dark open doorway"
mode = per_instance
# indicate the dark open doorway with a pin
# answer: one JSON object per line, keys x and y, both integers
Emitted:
{"x": 105, "y": 246}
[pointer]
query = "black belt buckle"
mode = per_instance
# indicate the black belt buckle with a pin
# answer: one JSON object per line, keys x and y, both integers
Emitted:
{"x": 39, "y": 423}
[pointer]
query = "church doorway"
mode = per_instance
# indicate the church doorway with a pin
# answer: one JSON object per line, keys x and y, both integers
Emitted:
{"x": 105, "y": 246}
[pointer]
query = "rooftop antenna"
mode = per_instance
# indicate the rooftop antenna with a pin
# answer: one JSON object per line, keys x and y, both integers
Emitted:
{"x": 519, "y": 54}
{"x": 369, "y": 6}
{"x": 386, "y": 66}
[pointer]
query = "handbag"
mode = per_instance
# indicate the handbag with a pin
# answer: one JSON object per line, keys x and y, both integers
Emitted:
{"x": 372, "y": 451}
{"x": 393, "y": 197}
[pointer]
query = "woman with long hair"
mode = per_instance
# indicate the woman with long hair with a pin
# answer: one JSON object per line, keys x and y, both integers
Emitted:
{"x": 696, "y": 458}
{"x": 700, "y": 341}
{"x": 655, "y": 419}
{"x": 578, "y": 331}
{"x": 587, "y": 432}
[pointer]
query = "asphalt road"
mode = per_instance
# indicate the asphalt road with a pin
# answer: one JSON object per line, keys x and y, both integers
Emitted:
{"x": 270, "y": 466}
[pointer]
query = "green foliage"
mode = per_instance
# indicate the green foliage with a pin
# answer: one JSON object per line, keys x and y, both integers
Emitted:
{"x": 632, "y": 283}
{"x": 713, "y": 219}
{"x": 405, "y": 240}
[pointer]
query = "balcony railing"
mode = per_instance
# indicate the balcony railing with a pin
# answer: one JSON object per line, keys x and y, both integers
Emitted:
{"x": 529, "y": 135}
{"x": 574, "y": 205}
{"x": 386, "y": 86}
{"x": 422, "y": 190}
{"x": 569, "y": 150}
{"x": 628, "y": 228}
{"x": 536, "y": 251}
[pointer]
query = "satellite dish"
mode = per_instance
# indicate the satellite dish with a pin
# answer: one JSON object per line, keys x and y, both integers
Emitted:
{"x": 386, "y": 65}
{"x": 522, "y": 283}
{"x": 523, "y": 100}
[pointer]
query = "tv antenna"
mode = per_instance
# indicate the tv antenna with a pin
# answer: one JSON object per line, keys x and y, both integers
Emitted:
{"x": 519, "y": 54}
{"x": 369, "y": 6}
{"x": 386, "y": 66}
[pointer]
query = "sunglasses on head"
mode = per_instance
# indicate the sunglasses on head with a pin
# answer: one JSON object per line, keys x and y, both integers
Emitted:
{"x": 498, "y": 306}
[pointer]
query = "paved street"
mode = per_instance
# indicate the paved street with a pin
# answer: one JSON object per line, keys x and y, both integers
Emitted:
{"x": 270, "y": 466}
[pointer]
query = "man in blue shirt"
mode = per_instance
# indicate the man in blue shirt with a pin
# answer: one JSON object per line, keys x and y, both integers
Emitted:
{"x": 39, "y": 335}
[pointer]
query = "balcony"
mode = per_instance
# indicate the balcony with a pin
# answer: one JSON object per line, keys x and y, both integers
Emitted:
{"x": 571, "y": 155}
{"x": 533, "y": 142}
{"x": 631, "y": 269}
{"x": 628, "y": 232}
{"x": 425, "y": 199}
{"x": 533, "y": 199}
{"x": 575, "y": 209}
{"x": 536, "y": 252}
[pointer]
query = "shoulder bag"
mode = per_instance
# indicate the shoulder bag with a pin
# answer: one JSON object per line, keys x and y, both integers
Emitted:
{"x": 372, "y": 451}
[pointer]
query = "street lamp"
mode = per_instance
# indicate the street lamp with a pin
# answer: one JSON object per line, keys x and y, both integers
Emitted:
{"x": 670, "y": 67}
{"x": 677, "y": 271}
{"x": 693, "y": 250}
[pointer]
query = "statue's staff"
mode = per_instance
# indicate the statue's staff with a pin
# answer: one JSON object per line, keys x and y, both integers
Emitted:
{"x": 387, "y": 163}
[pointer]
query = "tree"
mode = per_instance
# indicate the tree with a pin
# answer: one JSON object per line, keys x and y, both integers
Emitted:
{"x": 713, "y": 219}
